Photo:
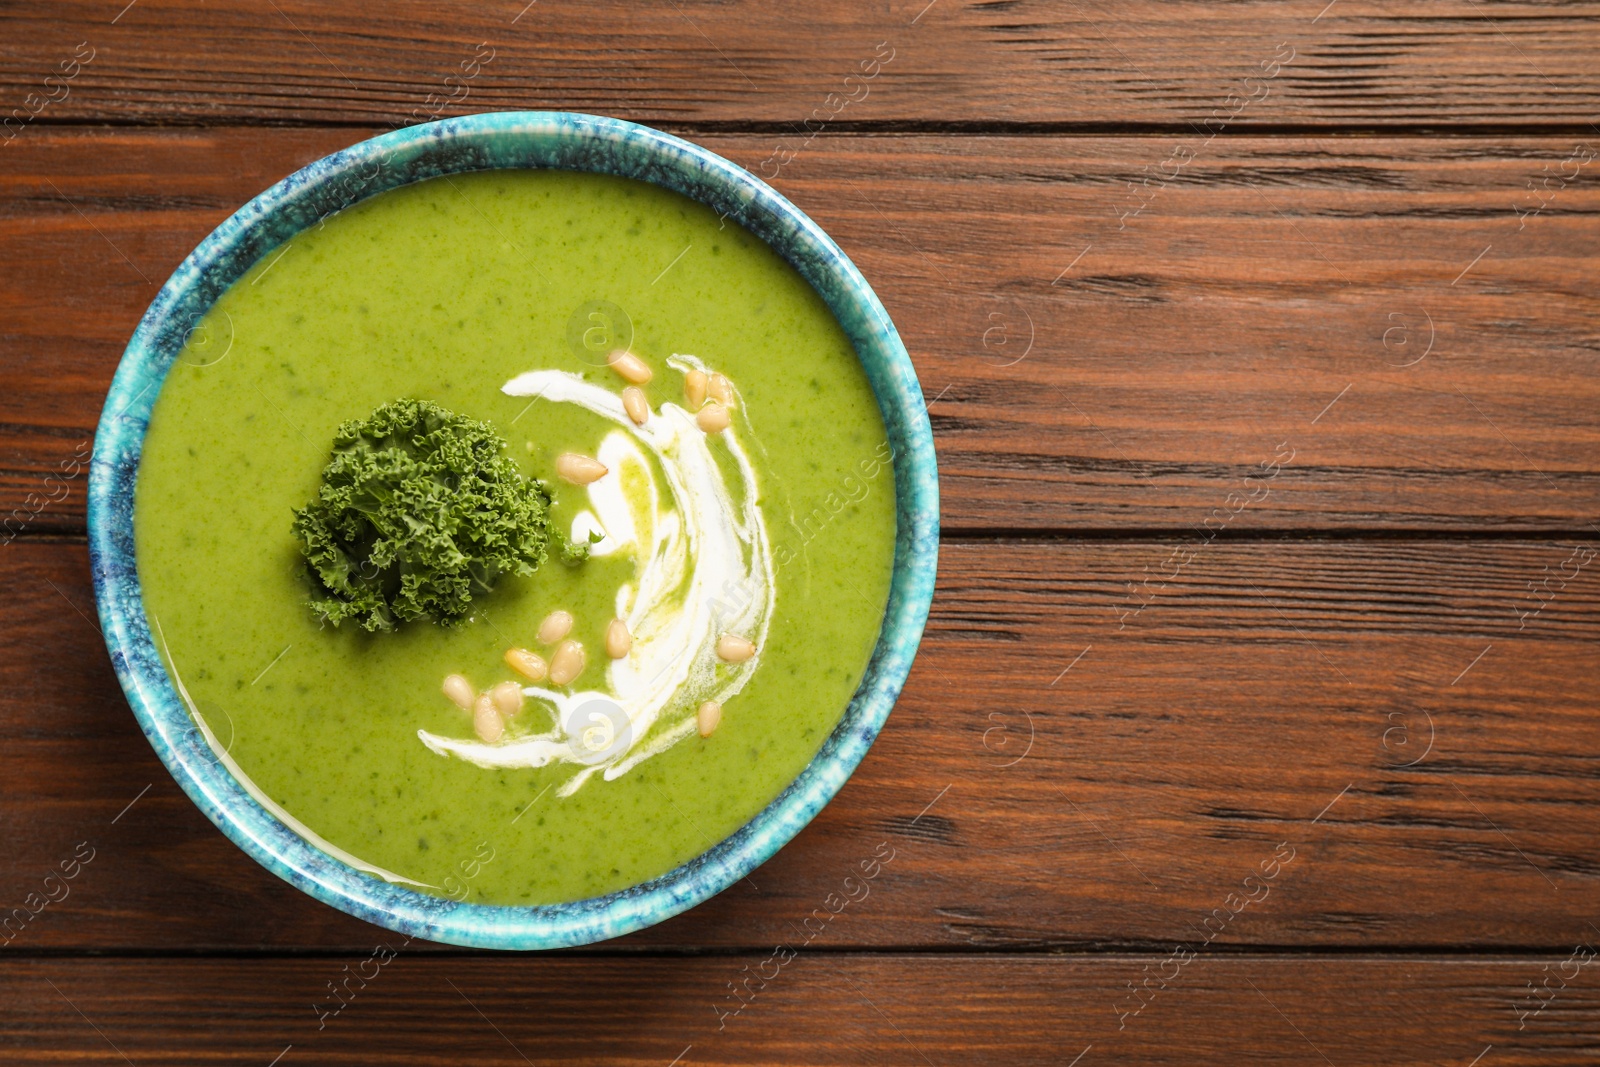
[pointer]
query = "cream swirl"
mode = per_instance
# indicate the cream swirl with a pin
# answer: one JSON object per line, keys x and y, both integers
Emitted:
{"x": 703, "y": 567}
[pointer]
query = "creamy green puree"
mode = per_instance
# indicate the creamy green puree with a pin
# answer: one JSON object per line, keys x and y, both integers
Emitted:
{"x": 445, "y": 291}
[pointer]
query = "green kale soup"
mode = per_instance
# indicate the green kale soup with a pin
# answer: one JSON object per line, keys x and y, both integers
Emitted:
{"x": 517, "y": 536}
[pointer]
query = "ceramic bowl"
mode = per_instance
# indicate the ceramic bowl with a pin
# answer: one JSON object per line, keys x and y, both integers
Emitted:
{"x": 484, "y": 142}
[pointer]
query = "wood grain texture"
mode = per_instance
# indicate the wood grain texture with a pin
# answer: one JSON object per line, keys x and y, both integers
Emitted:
{"x": 817, "y": 1009}
{"x": 1057, "y": 774}
{"x": 1098, "y": 356}
{"x": 1367, "y": 65}
{"x": 1267, "y": 422}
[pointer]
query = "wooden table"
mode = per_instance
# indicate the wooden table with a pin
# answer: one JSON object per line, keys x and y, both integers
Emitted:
{"x": 1255, "y": 719}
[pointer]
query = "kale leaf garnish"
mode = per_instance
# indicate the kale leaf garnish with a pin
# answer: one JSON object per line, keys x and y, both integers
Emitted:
{"x": 419, "y": 510}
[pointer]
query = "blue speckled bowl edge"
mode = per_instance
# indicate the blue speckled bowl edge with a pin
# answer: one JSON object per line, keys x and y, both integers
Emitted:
{"x": 479, "y": 142}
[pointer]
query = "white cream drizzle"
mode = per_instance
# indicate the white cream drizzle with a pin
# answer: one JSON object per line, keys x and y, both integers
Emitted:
{"x": 703, "y": 567}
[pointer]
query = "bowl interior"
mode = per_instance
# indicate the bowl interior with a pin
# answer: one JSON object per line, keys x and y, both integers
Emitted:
{"x": 486, "y": 142}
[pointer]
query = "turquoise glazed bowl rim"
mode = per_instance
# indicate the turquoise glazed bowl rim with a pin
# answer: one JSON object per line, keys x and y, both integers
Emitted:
{"x": 531, "y": 139}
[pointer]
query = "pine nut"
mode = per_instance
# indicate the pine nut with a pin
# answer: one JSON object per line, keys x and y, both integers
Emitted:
{"x": 709, "y": 715}
{"x": 580, "y": 470}
{"x": 713, "y": 418}
{"x": 530, "y": 665}
{"x": 555, "y": 626}
{"x": 486, "y": 721}
{"x": 695, "y": 384}
{"x": 630, "y": 366}
{"x": 460, "y": 692}
{"x": 734, "y": 649}
{"x": 635, "y": 404}
{"x": 619, "y": 642}
{"x": 720, "y": 390}
{"x": 567, "y": 663}
{"x": 507, "y": 697}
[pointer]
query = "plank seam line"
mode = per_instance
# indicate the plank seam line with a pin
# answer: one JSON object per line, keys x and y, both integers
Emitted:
{"x": 871, "y": 128}
{"x": 1367, "y": 953}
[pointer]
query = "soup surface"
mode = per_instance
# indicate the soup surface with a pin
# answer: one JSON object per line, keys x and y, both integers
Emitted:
{"x": 497, "y": 296}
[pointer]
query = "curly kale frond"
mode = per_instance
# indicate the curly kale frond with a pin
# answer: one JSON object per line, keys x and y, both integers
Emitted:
{"x": 418, "y": 511}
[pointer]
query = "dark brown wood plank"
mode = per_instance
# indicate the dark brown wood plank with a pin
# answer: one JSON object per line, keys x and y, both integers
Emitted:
{"x": 1255, "y": 314}
{"x": 1361, "y": 64}
{"x": 815, "y": 1009}
{"x": 1057, "y": 774}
